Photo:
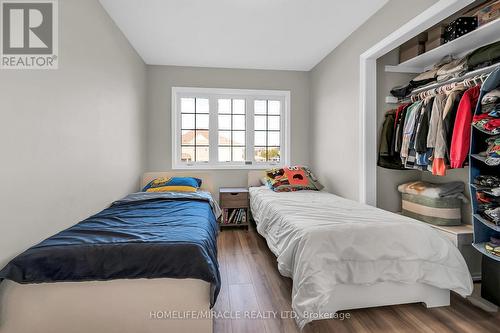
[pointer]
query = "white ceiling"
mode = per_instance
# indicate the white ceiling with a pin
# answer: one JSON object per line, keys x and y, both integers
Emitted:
{"x": 263, "y": 34}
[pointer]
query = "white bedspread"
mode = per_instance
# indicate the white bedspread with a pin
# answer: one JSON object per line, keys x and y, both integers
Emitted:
{"x": 322, "y": 240}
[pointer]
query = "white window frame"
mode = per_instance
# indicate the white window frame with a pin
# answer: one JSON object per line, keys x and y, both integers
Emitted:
{"x": 213, "y": 94}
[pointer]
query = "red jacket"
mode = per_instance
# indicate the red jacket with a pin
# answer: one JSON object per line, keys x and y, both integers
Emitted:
{"x": 460, "y": 140}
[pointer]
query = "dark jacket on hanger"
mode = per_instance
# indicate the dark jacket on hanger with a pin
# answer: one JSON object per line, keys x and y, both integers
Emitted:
{"x": 405, "y": 90}
{"x": 423, "y": 127}
{"x": 411, "y": 161}
{"x": 387, "y": 158}
{"x": 398, "y": 131}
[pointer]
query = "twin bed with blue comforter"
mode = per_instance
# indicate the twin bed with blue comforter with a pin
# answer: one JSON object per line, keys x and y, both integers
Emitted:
{"x": 142, "y": 236}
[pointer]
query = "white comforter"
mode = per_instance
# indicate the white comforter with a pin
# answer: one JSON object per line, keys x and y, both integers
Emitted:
{"x": 322, "y": 240}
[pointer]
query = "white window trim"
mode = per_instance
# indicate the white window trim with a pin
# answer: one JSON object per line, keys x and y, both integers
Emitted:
{"x": 247, "y": 94}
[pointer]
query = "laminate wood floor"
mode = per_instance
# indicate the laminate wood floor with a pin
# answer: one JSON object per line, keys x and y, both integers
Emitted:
{"x": 251, "y": 282}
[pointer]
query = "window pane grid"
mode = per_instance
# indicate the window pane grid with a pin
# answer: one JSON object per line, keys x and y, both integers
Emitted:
{"x": 267, "y": 124}
{"x": 232, "y": 145}
{"x": 229, "y": 128}
{"x": 198, "y": 109}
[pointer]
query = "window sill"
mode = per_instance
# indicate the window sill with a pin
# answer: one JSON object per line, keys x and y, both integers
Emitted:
{"x": 226, "y": 167}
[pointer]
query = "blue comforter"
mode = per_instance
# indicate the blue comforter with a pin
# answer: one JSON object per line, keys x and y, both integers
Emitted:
{"x": 144, "y": 235}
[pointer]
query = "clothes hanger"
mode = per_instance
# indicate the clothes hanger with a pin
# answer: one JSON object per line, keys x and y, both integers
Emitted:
{"x": 475, "y": 80}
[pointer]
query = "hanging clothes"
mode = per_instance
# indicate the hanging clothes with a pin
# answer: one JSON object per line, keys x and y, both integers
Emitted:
{"x": 424, "y": 153}
{"x": 387, "y": 157}
{"x": 434, "y": 133}
{"x": 460, "y": 142}
{"x": 399, "y": 129}
{"x": 435, "y": 120}
{"x": 441, "y": 149}
{"x": 409, "y": 125}
{"x": 423, "y": 126}
{"x": 397, "y": 122}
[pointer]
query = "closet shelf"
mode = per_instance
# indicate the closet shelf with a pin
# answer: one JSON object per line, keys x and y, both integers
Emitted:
{"x": 479, "y": 158}
{"x": 483, "y": 35}
{"x": 480, "y": 188}
{"x": 487, "y": 223}
{"x": 480, "y": 248}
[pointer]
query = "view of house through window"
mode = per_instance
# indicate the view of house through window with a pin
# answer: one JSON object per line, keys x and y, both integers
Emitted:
{"x": 195, "y": 129}
{"x": 232, "y": 130}
{"x": 267, "y": 130}
{"x": 229, "y": 128}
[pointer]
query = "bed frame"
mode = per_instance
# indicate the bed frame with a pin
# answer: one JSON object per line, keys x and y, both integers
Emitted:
{"x": 116, "y": 306}
{"x": 349, "y": 297}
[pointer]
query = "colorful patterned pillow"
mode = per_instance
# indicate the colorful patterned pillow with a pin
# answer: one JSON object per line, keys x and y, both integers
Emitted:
{"x": 292, "y": 178}
{"x": 173, "y": 184}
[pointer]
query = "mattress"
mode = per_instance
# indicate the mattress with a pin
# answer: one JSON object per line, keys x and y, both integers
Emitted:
{"x": 144, "y": 235}
{"x": 322, "y": 241}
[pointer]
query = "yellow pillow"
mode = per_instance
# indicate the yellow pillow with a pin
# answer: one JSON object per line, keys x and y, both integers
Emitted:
{"x": 173, "y": 184}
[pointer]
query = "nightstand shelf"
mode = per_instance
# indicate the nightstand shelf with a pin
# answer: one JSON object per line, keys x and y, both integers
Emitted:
{"x": 235, "y": 207}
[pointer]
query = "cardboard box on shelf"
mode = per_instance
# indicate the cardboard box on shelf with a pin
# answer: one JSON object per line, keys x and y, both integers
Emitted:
{"x": 413, "y": 47}
{"x": 411, "y": 52}
{"x": 432, "y": 44}
{"x": 435, "y": 33}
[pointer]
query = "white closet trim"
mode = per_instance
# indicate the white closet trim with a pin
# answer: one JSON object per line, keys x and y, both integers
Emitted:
{"x": 368, "y": 90}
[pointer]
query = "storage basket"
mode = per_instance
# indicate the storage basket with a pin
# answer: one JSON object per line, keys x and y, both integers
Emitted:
{"x": 436, "y": 211}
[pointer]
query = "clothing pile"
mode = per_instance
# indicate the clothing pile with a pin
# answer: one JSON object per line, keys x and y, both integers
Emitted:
{"x": 493, "y": 246}
{"x": 449, "y": 68}
{"x": 493, "y": 214}
{"x": 488, "y": 119}
{"x": 445, "y": 68}
{"x": 487, "y": 181}
{"x": 431, "y": 134}
{"x": 488, "y": 197}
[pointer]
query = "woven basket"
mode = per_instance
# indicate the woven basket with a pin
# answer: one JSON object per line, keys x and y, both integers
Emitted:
{"x": 437, "y": 211}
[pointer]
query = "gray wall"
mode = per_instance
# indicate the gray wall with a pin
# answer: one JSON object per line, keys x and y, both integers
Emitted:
{"x": 73, "y": 139}
{"x": 161, "y": 79}
{"x": 335, "y": 98}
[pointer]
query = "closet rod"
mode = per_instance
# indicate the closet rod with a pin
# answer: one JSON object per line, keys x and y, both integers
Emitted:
{"x": 480, "y": 71}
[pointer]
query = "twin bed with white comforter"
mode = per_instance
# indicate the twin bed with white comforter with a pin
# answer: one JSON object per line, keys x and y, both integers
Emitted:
{"x": 344, "y": 255}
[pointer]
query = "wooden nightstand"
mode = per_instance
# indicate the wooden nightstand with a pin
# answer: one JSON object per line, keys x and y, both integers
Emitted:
{"x": 235, "y": 208}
